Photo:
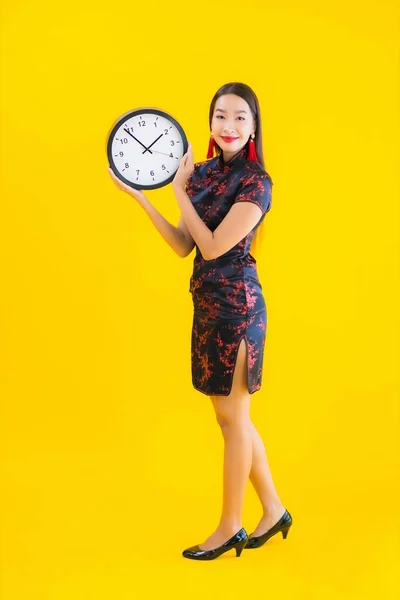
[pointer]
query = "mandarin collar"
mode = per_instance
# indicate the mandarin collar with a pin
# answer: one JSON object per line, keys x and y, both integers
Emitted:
{"x": 236, "y": 161}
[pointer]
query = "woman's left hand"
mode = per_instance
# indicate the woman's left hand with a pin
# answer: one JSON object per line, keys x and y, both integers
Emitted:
{"x": 185, "y": 169}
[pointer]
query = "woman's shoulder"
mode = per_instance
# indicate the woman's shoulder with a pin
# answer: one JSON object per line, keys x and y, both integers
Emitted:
{"x": 204, "y": 170}
{"x": 249, "y": 171}
{"x": 209, "y": 162}
{"x": 206, "y": 166}
{"x": 252, "y": 171}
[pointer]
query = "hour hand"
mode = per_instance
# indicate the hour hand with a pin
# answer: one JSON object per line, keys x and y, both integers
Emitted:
{"x": 153, "y": 143}
{"x": 145, "y": 148}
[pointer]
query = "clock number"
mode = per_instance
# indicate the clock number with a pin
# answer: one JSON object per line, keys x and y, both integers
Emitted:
{"x": 137, "y": 171}
{"x": 121, "y": 153}
{"x": 124, "y": 141}
{"x": 155, "y": 123}
{"x": 166, "y": 131}
{"x": 126, "y": 166}
{"x": 171, "y": 155}
{"x": 172, "y": 143}
{"x": 152, "y": 173}
{"x": 142, "y": 123}
{"x": 163, "y": 167}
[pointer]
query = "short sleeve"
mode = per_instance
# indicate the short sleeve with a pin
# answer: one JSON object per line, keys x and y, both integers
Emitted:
{"x": 257, "y": 188}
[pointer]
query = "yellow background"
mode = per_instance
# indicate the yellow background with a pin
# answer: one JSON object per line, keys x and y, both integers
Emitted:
{"x": 111, "y": 462}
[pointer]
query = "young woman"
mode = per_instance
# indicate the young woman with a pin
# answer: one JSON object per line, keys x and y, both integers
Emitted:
{"x": 223, "y": 201}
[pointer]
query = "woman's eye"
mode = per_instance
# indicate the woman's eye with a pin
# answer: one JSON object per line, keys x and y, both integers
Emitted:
{"x": 222, "y": 117}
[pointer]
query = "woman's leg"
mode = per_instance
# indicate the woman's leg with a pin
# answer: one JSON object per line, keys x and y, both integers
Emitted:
{"x": 234, "y": 425}
{"x": 233, "y": 415}
{"x": 261, "y": 479}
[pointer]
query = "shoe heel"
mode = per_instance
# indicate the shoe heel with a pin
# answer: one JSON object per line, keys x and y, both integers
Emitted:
{"x": 239, "y": 548}
{"x": 285, "y": 531}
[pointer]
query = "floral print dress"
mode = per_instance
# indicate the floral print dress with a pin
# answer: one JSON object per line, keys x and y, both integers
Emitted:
{"x": 227, "y": 295}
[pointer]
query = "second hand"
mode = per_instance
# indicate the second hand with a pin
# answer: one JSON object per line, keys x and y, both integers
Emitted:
{"x": 164, "y": 153}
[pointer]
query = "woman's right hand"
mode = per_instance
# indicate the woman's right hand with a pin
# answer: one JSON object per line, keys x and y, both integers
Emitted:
{"x": 137, "y": 194}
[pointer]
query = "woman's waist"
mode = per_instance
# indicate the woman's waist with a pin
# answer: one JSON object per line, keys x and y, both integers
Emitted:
{"x": 244, "y": 259}
{"x": 228, "y": 303}
{"x": 226, "y": 279}
{"x": 226, "y": 268}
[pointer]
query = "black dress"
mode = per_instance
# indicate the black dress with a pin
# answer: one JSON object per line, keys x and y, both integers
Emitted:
{"x": 227, "y": 295}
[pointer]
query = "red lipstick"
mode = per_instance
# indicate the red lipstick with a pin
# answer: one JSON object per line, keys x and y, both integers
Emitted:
{"x": 229, "y": 139}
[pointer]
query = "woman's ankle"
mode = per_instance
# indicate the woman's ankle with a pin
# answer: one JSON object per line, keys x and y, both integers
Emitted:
{"x": 273, "y": 509}
{"x": 230, "y": 528}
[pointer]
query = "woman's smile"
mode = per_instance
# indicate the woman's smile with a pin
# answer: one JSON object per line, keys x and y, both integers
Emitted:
{"x": 229, "y": 139}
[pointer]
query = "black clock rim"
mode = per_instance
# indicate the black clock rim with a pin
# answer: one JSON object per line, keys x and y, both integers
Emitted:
{"x": 128, "y": 115}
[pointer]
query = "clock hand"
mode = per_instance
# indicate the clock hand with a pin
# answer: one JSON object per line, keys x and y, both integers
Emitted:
{"x": 127, "y": 131}
{"x": 153, "y": 143}
{"x": 164, "y": 153}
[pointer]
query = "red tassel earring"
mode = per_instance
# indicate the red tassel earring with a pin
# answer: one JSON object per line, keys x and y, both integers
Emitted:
{"x": 252, "y": 154}
{"x": 211, "y": 146}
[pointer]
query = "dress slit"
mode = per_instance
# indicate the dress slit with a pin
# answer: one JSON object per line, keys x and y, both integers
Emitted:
{"x": 244, "y": 337}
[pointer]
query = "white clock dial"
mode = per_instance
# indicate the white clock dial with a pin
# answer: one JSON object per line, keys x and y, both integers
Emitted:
{"x": 145, "y": 148}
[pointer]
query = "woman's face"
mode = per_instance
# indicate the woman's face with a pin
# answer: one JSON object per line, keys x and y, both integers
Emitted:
{"x": 232, "y": 119}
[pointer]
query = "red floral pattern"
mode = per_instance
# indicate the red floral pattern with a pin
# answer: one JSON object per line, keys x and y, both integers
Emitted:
{"x": 227, "y": 295}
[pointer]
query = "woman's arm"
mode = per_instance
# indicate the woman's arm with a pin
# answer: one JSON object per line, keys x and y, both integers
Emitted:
{"x": 249, "y": 205}
{"x": 240, "y": 220}
{"x": 189, "y": 240}
{"x": 175, "y": 237}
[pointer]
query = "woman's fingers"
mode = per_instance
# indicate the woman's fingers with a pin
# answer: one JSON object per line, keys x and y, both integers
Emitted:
{"x": 120, "y": 185}
{"x": 137, "y": 194}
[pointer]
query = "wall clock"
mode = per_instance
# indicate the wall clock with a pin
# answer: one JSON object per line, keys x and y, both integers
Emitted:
{"x": 145, "y": 147}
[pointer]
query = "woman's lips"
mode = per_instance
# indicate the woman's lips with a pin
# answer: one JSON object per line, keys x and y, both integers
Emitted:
{"x": 229, "y": 139}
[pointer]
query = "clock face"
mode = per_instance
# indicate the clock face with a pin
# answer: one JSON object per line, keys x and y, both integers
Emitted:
{"x": 145, "y": 147}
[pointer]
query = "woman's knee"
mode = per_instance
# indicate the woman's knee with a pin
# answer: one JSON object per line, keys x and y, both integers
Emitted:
{"x": 234, "y": 411}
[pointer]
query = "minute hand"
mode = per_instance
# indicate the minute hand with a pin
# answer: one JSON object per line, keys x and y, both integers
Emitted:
{"x": 153, "y": 143}
{"x": 127, "y": 131}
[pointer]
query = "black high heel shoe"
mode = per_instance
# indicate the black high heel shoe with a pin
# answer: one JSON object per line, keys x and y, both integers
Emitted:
{"x": 283, "y": 525}
{"x": 237, "y": 541}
